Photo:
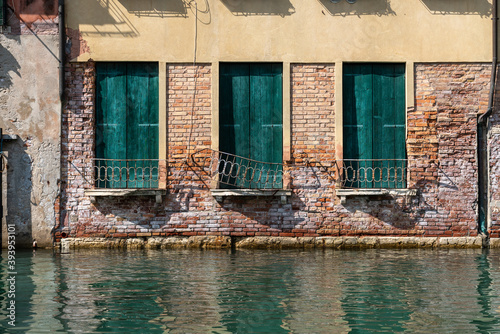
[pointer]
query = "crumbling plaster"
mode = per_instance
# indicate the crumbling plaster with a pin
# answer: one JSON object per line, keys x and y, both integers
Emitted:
{"x": 30, "y": 109}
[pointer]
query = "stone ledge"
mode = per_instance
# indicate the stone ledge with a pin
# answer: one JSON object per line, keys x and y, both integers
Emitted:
{"x": 344, "y": 193}
{"x": 220, "y": 194}
{"x": 94, "y": 193}
{"x": 203, "y": 242}
{"x": 359, "y": 242}
{"x": 494, "y": 243}
{"x": 225, "y": 242}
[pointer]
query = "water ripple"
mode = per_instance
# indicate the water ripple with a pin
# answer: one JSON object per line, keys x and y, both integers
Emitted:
{"x": 374, "y": 291}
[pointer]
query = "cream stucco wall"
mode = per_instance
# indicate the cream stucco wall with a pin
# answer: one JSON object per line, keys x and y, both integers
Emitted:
{"x": 282, "y": 30}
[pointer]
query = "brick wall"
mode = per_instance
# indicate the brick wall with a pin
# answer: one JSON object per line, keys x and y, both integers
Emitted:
{"x": 77, "y": 147}
{"x": 494, "y": 155}
{"x": 189, "y": 104}
{"x": 313, "y": 148}
{"x": 443, "y": 142}
{"x": 441, "y": 149}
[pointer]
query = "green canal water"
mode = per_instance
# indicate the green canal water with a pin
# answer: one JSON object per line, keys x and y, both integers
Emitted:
{"x": 372, "y": 291}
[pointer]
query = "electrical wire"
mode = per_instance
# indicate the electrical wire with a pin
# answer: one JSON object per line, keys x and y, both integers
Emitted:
{"x": 191, "y": 122}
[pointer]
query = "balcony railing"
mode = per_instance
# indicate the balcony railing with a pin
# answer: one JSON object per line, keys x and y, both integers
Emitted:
{"x": 125, "y": 173}
{"x": 233, "y": 171}
{"x": 373, "y": 173}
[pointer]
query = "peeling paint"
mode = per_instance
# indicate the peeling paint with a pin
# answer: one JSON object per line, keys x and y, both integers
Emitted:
{"x": 79, "y": 46}
{"x": 30, "y": 108}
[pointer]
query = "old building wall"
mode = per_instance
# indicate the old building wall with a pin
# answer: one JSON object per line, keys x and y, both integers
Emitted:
{"x": 280, "y": 30}
{"x": 77, "y": 146}
{"x": 30, "y": 110}
{"x": 442, "y": 138}
{"x": 494, "y": 165}
{"x": 441, "y": 144}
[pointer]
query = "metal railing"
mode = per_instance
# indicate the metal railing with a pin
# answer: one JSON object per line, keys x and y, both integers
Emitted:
{"x": 233, "y": 171}
{"x": 373, "y": 173}
{"x": 125, "y": 173}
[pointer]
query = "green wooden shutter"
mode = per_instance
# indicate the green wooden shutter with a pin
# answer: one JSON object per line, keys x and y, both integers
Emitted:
{"x": 250, "y": 120}
{"x": 111, "y": 123}
{"x": 2, "y": 13}
{"x": 142, "y": 124}
{"x": 235, "y": 109}
{"x": 127, "y": 123}
{"x": 400, "y": 125}
{"x": 234, "y": 121}
{"x": 266, "y": 122}
{"x": 358, "y": 123}
{"x": 374, "y": 124}
{"x": 389, "y": 124}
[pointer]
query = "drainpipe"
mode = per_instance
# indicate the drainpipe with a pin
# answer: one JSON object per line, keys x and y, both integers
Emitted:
{"x": 482, "y": 128}
{"x": 62, "y": 50}
{"x": 62, "y": 47}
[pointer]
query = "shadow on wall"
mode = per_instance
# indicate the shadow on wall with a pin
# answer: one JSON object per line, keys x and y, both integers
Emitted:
{"x": 37, "y": 8}
{"x": 156, "y": 8}
{"x": 458, "y": 7}
{"x": 103, "y": 18}
{"x": 386, "y": 210}
{"x": 19, "y": 189}
{"x": 259, "y": 7}
{"x": 9, "y": 67}
{"x": 269, "y": 212}
{"x": 372, "y": 7}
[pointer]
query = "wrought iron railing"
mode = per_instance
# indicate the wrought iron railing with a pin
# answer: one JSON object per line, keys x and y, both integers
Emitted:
{"x": 233, "y": 171}
{"x": 373, "y": 173}
{"x": 125, "y": 173}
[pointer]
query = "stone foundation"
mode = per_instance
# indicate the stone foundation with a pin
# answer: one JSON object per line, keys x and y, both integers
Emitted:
{"x": 218, "y": 242}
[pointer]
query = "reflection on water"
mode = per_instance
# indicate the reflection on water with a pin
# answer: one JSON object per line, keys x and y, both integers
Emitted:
{"x": 373, "y": 291}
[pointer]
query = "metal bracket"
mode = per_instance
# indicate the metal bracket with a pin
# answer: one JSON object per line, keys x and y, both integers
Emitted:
{"x": 284, "y": 199}
{"x": 159, "y": 198}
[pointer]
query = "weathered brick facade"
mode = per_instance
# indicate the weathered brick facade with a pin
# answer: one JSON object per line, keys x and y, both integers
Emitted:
{"x": 494, "y": 167}
{"x": 442, "y": 140}
{"x": 441, "y": 146}
{"x": 77, "y": 148}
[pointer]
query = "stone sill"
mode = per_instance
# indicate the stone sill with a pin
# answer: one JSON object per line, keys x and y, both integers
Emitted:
{"x": 220, "y": 194}
{"x": 94, "y": 193}
{"x": 344, "y": 193}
